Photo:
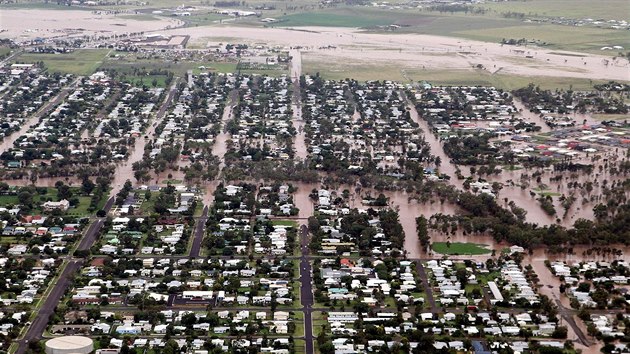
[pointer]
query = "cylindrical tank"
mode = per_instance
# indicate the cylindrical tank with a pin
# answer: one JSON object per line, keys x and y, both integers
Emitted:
{"x": 69, "y": 345}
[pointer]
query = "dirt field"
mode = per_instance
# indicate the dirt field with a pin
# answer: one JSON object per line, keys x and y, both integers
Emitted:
{"x": 351, "y": 46}
{"x": 24, "y": 25}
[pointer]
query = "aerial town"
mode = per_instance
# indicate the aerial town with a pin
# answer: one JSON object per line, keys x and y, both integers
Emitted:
{"x": 314, "y": 177}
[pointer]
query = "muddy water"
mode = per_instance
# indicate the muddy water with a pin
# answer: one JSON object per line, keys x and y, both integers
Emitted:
{"x": 26, "y": 24}
{"x": 550, "y": 284}
{"x": 408, "y": 211}
{"x": 220, "y": 146}
{"x": 521, "y": 197}
{"x": 301, "y": 150}
{"x": 43, "y": 181}
{"x": 446, "y": 166}
{"x": 531, "y": 116}
{"x": 298, "y": 123}
{"x": 9, "y": 141}
{"x": 124, "y": 170}
{"x": 302, "y": 200}
{"x": 355, "y": 48}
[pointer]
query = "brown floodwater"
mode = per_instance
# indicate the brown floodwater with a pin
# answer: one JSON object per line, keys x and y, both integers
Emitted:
{"x": 220, "y": 146}
{"x": 299, "y": 143}
{"x": 42, "y": 181}
{"x": 531, "y": 116}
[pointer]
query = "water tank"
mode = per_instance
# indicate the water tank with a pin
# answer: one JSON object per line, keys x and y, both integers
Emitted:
{"x": 69, "y": 345}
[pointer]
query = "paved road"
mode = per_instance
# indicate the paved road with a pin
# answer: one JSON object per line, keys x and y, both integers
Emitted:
{"x": 199, "y": 231}
{"x": 37, "y": 328}
{"x": 426, "y": 285}
{"x": 41, "y": 321}
{"x": 567, "y": 315}
{"x": 306, "y": 290}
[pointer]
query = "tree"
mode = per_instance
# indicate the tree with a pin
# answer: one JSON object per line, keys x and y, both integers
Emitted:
{"x": 189, "y": 319}
{"x": 25, "y": 199}
{"x": 327, "y": 348}
{"x": 560, "y": 332}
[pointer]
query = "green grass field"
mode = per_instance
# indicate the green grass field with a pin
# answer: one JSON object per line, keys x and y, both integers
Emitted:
{"x": 80, "y": 62}
{"x": 546, "y": 192}
{"x": 4, "y": 51}
{"x": 203, "y": 19}
{"x": 80, "y": 210}
{"x": 602, "y": 116}
{"x": 459, "y": 248}
{"x": 291, "y": 223}
{"x": 584, "y": 39}
{"x": 345, "y": 17}
{"x": 604, "y": 9}
{"x": 126, "y": 65}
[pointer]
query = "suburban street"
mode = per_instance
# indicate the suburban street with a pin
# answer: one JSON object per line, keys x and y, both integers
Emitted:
{"x": 199, "y": 232}
{"x": 7, "y": 142}
{"x": 306, "y": 289}
{"x": 40, "y": 322}
{"x": 37, "y": 328}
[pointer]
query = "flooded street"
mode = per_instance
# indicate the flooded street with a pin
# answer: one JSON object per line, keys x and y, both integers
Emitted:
{"x": 220, "y": 146}
{"x": 298, "y": 123}
{"x": 408, "y": 211}
{"x": 530, "y": 116}
{"x": 446, "y": 166}
{"x": 124, "y": 170}
{"x": 9, "y": 141}
{"x": 523, "y": 199}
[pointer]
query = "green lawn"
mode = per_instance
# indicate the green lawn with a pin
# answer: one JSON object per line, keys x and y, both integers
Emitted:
{"x": 203, "y": 19}
{"x": 602, "y": 116}
{"x": 125, "y": 65}
{"x": 586, "y": 39}
{"x": 546, "y": 192}
{"x": 604, "y": 9}
{"x": 80, "y": 62}
{"x": 80, "y": 210}
{"x": 291, "y": 223}
{"x": 8, "y": 239}
{"x": 4, "y": 51}
{"x": 460, "y": 248}
{"x": 345, "y": 17}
